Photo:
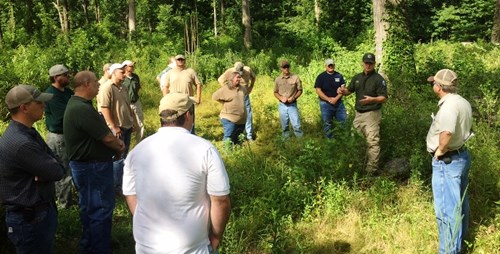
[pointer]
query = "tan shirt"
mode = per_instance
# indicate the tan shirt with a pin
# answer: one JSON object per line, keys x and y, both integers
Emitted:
{"x": 233, "y": 103}
{"x": 455, "y": 116}
{"x": 247, "y": 76}
{"x": 287, "y": 85}
{"x": 181, "y": 81}
{"x": 117, "y": 100}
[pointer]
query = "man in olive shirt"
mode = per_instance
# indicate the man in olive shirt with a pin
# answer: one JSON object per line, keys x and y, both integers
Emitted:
{"x": 91, "y": 146}
{"x": 287, "y": 89}
{"x": 233, "y": 114}
{"x": 28, "y": 170}
{"x": 133, "y": 84}
{"x": 54, "y": 113}
{"x": 371, "y": 93}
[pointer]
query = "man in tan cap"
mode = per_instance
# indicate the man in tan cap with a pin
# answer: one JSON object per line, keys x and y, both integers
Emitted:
{"x": 176, "y": 186}
{"x": 54, "y": 113}
{"x": 182, "y": 80}
{"x": 28, "y": 170}
{"x": 133, "y": 84}
{"x": 248, "y": 81}
{"x": 450, "y": 129}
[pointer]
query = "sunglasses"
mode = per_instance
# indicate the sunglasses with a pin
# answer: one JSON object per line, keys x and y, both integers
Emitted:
{"x": 285, "y": 66}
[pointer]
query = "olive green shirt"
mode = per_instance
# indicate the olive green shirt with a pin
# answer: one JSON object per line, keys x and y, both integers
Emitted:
{"x": 371, "y": 84}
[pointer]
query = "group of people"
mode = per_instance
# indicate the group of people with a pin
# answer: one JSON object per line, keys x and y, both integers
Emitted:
{"x": 175, "y": 183}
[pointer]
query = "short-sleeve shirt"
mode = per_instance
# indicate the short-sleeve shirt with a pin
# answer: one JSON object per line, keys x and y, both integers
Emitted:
{"x": 54, "y": 109}
{"x": 182, "y": 81}
{"x": 371, "y": 84}
{"x": 247, "y": 75}
{"x": 133, "y": 85}
{"x": 84, "y": 129}
{"x": 117, "y": 100}
{"x": 454, "y": 116}
{"x": 287, "y": 85}
{"x": 329, "y": 83}
{"x": 233, "y": 101}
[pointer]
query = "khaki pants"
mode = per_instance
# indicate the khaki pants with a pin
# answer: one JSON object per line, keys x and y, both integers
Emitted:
{"x": 139, "y": 120}
{"x": 368, "y": 124}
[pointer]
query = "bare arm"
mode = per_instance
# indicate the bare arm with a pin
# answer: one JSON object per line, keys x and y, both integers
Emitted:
{"x": 279, "y": 97}
{"x": 444, "y": 140}
{"x": 198, "y": 93}
{"x": 114, "y": 143}
{"x": 295, "y": 96}
{"x": 131, "y": 203}
{"x": 220, "y": 210}
{"x": 371, "y": 100}
{"x": 108, "y": 117}
{"x": 343, "y": 90}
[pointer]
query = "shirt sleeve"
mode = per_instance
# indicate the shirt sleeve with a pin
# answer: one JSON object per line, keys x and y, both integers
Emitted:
{"x": 38, "y": 162}
{"x": 217, "y": 178}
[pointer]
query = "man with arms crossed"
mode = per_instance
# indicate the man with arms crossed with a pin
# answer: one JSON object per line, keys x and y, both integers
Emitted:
{"x": 247, "y": 80}
{"x": 28, "y": 170}
{"x": 176, "y": 186}
{"x": 54, "y": 113}
{"x": 91, "y": 146}
{"x": 450, "y": 128}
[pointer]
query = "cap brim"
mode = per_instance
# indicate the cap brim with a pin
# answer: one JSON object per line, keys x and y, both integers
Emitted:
{"x": 44, "y": 97}
{"x": 430, "y": 79}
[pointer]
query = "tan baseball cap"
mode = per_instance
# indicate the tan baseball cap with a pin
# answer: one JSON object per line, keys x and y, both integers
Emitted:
{"x": 21, "y": 94}
{"x": 445, "y": 77}
{"x": 176, "y": 101}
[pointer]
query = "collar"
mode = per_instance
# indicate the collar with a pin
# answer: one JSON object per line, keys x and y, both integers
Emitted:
{"x": 444, "y": 98}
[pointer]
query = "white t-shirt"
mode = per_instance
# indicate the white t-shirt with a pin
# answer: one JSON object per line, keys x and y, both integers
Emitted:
{"x": 172, "y": 173}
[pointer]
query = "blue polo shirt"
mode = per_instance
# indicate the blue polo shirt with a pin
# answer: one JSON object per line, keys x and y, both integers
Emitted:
{"x": 329, "y": 83}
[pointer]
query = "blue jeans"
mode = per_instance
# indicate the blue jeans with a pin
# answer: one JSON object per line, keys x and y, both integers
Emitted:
{"x": 118, "y": 163}
{"x": 289, "y": 113}
{"x": 451, "y": 200}
{"x": 249, "y": 124}
{"x": 94, "y": 183}
{"x": 330, "y": 111}
{"x": 231, "y": 131}
{"x": 33, "y": 235}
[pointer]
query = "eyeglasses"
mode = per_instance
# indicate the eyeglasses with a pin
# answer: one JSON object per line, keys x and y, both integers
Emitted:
{"x": 180, "y": 59}
{"x": 330, "y": 66}
{"x": 285, "y": 66}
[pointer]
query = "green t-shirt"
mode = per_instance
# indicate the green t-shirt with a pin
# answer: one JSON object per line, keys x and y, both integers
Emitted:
{"x": 133, "y": 85}
{"x": 371, "y": 84}
{"x": 84, "y": 129}
{"x": 54, "y": 109}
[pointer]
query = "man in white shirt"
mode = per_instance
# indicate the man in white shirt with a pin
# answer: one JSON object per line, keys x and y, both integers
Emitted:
{"x": 176, "y": 186}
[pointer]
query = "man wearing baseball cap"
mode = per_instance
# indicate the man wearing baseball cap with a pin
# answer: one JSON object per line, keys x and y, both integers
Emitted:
{"x": 133, "y": 84}
{"x": 28, "y": 170}
{"x": 176, "y": 186}
{"x": 371, "y": 92}
{"x": 54, "y": 113}
{"x": 450, "y": 129}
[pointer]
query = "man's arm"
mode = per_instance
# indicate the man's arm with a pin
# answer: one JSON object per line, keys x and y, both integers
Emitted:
{"x": 220, "y": 210}
{"x": 108, "y": 117}
{"x": 371, "y": 100}
{"x": 198, "y": 93}
{"x": 113, "y": 143}
{"x": 131, "y": 203}
{"x": 444, "y": 140}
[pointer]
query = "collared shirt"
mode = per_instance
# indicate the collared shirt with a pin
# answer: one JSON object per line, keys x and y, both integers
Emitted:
{"x": 371, "y": 84}
{"x": 329, "y": 83}
{"x": 233, "y": 101}
{"x": 23, "y": 156}
{"x": 54, "y": 109}
{"x": 84, "y": 129}
{"x": 247, "y": 75}
{"x": 116, "y": 98}
{"x": 181, "y": 81}
{"x": 133, "y": 85}
{"x": 287, "y": 85}
{"x": 455, "y": 116}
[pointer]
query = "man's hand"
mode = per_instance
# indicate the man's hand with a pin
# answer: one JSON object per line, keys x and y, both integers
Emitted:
{"x": 116, "y": 131}
{"x": 438, "y": 153}
{"x": 367, "y": 100}
{"x": 332, "y": 100}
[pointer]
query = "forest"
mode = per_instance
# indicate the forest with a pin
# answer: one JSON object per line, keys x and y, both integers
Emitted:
{"x": 302, "y": 196}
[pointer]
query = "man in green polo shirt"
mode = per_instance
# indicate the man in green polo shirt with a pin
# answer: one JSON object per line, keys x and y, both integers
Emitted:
{"x": 371, "y": 93}
{"x": 54, "y": 113}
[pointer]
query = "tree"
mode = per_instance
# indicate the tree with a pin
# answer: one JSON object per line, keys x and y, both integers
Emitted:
{"x": 317, "y": 11}
{"x": 380, "y": 27}
{"x": 246, "y": 19}
{"x": 495, "y": 33}
{"x": 62, "y": 10}
{"x": 131, "y": 17}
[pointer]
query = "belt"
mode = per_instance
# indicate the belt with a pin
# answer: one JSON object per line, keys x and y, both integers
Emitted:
{"x": 452, "y": 152}
{"x": 94, "y": 160}
{"x": 35, "y": 208}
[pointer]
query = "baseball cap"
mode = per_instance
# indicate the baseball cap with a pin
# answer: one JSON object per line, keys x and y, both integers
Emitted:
{"x": 57, "y": 69}
{"x": 128, "y": 63}
{"x": 105, "y": 67}
{"x": 115, "y": 66}
{"x": 284, "y": 63}
{"x": 445, "y": 77}
{"x": 21, "y": 94}
{"x": 238, "y": 66}
{"x": 329, "y": 61}
{"x": 179, "y": 102}
{"x": 177, "y": 57}
{"x": 368, "y": 58}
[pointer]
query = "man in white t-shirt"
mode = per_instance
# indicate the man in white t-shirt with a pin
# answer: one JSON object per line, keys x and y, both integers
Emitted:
{"x": 176, "y": 186}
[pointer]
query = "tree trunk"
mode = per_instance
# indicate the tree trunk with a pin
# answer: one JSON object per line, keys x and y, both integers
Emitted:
{"x": 30, "y": 24}
{"x": 97, "y": 12}
{"x": 131, "y": 17}
{"x": 215, "y": 18}
{"x": 246, "y": 19}
{"x": 380, "y": 30}
{"x": 85, "y": 7}
{"x": 62, "y": 11}
{"x": 317, "y": 11}
{"x": 222, "y": 17}
{"x": 495, "y": 33}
